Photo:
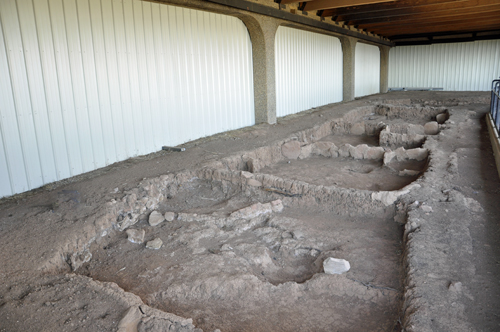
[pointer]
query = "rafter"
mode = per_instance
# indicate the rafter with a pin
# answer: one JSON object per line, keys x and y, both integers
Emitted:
{"x": 327, "y": 4}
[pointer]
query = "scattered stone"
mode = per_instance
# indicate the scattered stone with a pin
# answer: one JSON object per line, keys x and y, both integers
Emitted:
{"x": 246, "y": 175}
{"x": 473, "y": 205}
{"x": 408, "y": 172}
{"x": 155, "y": 218}
{"x": 277, "y": 205}
{"x": 426, "y": 208}
{"x": 455, "y": 286}
{"x": 298, "y": 235}
{"x": 441, "y": 118}
{"x": 358, "y": 128}
{"x": 154, "y": 244}
{"x": 431, "y": 128}
{"x": 79, "y": 258}
{"x": 254, "y": 183}
{"x": 169, "y": 216}
{"x": 335, "y": 265}
{"x": 135, "y": 235}
{"x": 291, "y": 150}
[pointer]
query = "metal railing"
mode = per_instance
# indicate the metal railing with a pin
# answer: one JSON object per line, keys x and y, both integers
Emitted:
{"x": 495, "y": 103}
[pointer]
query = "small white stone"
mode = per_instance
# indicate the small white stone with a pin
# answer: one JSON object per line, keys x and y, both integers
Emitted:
{"x": 336, "y": 265}
{"x": 155, "y": 218}
{"x": 426, "y": 208}
{"x": 154, "y": 244}
{"x": 135, "y": 235}
{"x": 169, "y": 216}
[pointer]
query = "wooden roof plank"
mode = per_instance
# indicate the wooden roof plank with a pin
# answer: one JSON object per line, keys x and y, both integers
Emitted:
{"x": 328, "y": 4}
{"x": 481, "y": 26}
{"x": 477, "y": 13}
{"x": 401, "y": 4}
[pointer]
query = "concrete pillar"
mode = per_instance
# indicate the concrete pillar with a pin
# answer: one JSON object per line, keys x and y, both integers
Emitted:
{"x": 384, "y": 68}
{"x": 262, "y": 32}
{"x": 348, "y": 52}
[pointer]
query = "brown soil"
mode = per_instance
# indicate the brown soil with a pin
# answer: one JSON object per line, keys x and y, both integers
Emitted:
{"x": 422, "y": 259}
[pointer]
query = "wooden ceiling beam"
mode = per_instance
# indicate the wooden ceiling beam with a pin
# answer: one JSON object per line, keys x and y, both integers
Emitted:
{"x": 466, "y": 28}
{"x": 328, "y": 4}
{"x": 401, "y": 4}
{"x": 418, "y": 10}
{"x": 438, "y": 15}
{"x": 287, "y": 2}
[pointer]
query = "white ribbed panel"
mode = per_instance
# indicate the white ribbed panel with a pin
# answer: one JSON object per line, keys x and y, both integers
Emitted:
{"x": 86, "y": 83}
{"x": 453, "y": 67}
{"x": 308, "y": 70}
{"x": 367, "y": 70}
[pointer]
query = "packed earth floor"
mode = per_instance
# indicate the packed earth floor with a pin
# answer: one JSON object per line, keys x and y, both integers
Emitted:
{"x": 232, "y": 234}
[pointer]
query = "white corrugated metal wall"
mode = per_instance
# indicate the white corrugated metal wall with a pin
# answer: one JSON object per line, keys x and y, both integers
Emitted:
{"x": 86, "y": 83}
{"x": 367, "y": 70}
{"x": 453, "y": 67}
{"x": 308, "y": 70}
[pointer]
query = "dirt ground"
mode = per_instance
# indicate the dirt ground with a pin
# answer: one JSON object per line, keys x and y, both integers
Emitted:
{"x": 251, "y": 215}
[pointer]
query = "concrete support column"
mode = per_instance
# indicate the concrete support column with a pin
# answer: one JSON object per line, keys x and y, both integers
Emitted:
{"x": 349, "y": 60}
{"x": 262, "y": 32}
{"x": 384, "y": 68}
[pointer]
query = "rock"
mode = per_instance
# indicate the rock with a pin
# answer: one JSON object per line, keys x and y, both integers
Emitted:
{"x": 473, "y": 205}
{"x": 401, "y": 154}
{"x": 154, "y": 244}
{"x": 246, "y": 175}
{"x": 277, "y": 205}
{"x": 408, "y": 172}
{"x": 418, "y": 154}
{"x": 155, "y": 218}
{"x": 344, "y": 150}
{"x": 441, "y": 118}
{"x": 291, "y": 150}
{"x": 254, "y": 183}
{"x": 375, "y": 153}
{"x": 252, "y": 211}
{"x": 298, "y": 235}
{"x": 305, "y": 151}
{"x": 455, "y": 286}
{"x": 358, "y": 128}
{"x": 359, "y": 151}
{"x": 426, "y": 208}
{"x": 169, "y": 216}
{"x": 130, "y": 321}
{"x": 415, "y": 129}
{"x": 388, "y": 156}
{"x": 335, "y": 265}
{"x": 323, "y": 149}
{"x": 431, "y": 128}
{"x": 135, "y": 235}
